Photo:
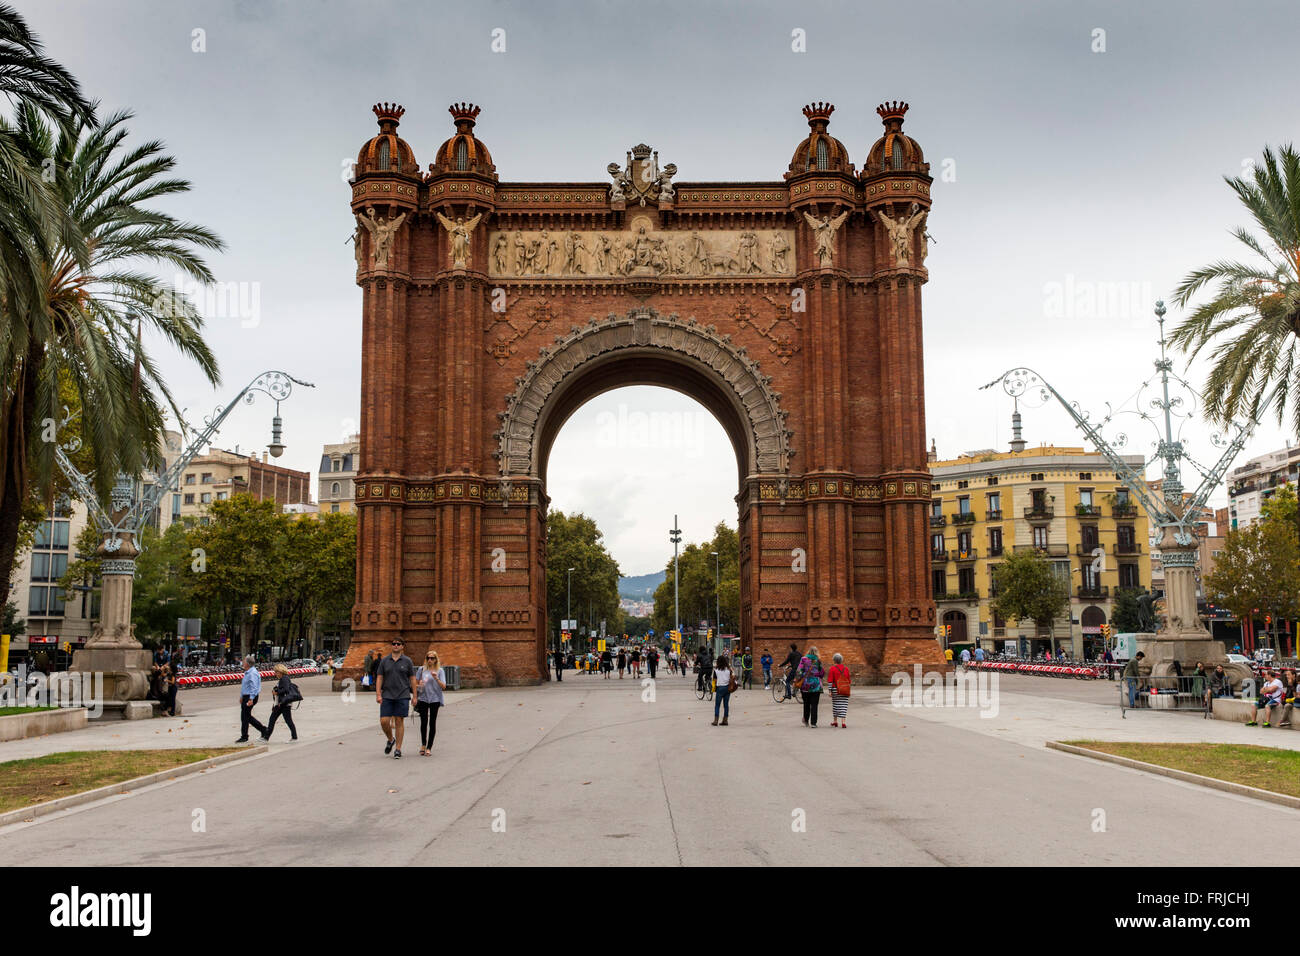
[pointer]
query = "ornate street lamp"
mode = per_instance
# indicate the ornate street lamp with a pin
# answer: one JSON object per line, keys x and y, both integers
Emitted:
{"x": 112, "y": 647}
{"x": 1181, "y": 636}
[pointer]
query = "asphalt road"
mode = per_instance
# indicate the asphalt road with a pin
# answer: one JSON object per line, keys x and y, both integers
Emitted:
{"x": 586, "y": 772}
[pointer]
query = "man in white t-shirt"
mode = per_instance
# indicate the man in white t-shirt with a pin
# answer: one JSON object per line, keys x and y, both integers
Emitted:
{"x": 1270, "y": 696}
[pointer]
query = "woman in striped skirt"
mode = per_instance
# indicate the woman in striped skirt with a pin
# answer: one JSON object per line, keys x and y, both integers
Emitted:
{"x": 837, "y": 675}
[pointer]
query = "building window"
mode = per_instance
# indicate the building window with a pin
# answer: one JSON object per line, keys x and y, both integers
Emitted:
{"x": 334, "y": 489}
{"x": 1040, "y": 537}
{"x": 966, "y": 581}
{"x": 1128, "y": 576}
{"x": 1085, "y": 476}
{"x": 936, "y": 508}
{"x": 176, "y": 505}
{"x": 1085, "y": 496}
{"x": 189, "y": 499}
{"x": 823, "y": 155}
{"x": 1124, "y": 537}
{"x": 221, "y": 496}
{"x": 1037, "y": 477}
{"x": 338, "y": 465}
{"x": 994, "y": 505}
{"x": 52, "y": 535}
{"x": 993, "y": 479}
{"x": 963, "y": 505}
{"x": 995, "y": 542}
{"x": 334, "y": 509}
{"x": 206, "y": 478}
{"x": 189, "y": 479}
{"x": 938, "y": 579}
{"x": 206, "y": 498}
{"x": 462, "y": 155}
{"x": 936, "y": 543}
{"x": 1087, "y": 536}
{"x": 963, "y": 484}
{"x": 963, "y": 542}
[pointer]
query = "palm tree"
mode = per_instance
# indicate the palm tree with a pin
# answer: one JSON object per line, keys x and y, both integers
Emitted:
{"x": 86, "y": 328}
{"x": 1255, "y": 312}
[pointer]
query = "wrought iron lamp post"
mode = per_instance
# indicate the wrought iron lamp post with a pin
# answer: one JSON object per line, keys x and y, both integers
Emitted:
{"x": 1181, "y": 636}
{"x": 112, "y": 648}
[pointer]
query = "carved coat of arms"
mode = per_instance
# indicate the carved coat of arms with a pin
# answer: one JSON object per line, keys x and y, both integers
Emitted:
{"x": 641, "y": 178}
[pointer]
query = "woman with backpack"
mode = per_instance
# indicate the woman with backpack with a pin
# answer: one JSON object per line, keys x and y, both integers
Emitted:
{"x": 839, "y": 681}
{"x": 809, "y": 678}
{"x": 430, "y": 682}
{"x": 286, "y": 694}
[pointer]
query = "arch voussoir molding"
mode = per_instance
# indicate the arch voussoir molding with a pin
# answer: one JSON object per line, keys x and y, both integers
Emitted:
{"x": 769, "y": 440}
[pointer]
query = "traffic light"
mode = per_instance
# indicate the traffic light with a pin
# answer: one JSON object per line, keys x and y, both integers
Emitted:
{"x": 1105, "y": 631}
{"x": 710, "y": 633}
{"x": 67, "y": 647}
{"x": 254, "y": 610}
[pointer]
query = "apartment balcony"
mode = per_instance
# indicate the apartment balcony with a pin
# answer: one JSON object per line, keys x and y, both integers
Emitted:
{"x": 1093, "y": 591}
{"x": 995, "y": 552}
{"x": 964, "y": 517}
{"x": 1087, "y": 511}
{"x": 967, "y": 557}
{"x": 1040, "y": 513}
{"x": 938, "y": 557}
{"x": 1084, "y": 551}
{"x": 938, "y": 521}
{"x": 1046, "y": 550}
{"x": 993, "y": 514}
{"x": 1128, "y": 547}
{"x": 957, "y": 597}
{"x": 1123, "y": 511}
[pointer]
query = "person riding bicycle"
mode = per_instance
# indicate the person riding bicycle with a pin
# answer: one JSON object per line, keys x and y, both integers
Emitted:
{"x": 703, "y": 667}
{"x": 791, "y": 663}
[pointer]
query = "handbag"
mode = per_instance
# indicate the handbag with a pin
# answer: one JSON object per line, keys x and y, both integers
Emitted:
{"x": 731, "y": 684}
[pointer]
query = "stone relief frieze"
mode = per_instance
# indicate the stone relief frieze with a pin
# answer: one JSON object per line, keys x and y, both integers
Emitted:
{"x": 640, "y": 251}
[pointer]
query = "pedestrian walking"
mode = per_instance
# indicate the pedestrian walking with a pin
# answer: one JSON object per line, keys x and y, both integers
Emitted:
{"x": 747, "y": 670}
{"x": 622, "y": 662}
{"x": 652, "y": 661}
{"x": 1108, "y": 658}
{"x": 811, "y": 672}
{"x": 286, "y": 694}
{"x": 766, "y": 663}
{"x": 394, "y": 688}
{"x": 606, "y": 663}
{"x": 724, "y": 683}
{"x": 430, "y": 682}
{"x": 559, "y": 664}
{"x": 250, "y": 688}
{"x": 1131, "y": 678}
{"x": 839, "y": 681}
{"x": 636, "y": 662}
{"x": 167, "y": 690}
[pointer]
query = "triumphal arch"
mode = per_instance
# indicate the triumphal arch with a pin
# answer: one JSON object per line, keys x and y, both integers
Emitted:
{"x": 790, "y": 308}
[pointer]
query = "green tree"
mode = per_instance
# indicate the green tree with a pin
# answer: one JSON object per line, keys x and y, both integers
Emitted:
{"x": 10, "y": 622}
{"x": 1028, "y": 589}
{"x": 1257, "y": 572}
{"x": 86, "y": 324}
{"x": 1125, "y": 617}
{"x": 241, "y": 550}
{"x": 1254, "y": 314}
{"x": 699, "y": 592}
{"x": 574, "y": 541}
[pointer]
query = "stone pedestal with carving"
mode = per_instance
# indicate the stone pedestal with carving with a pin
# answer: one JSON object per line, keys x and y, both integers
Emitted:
{"x": 112, "y": 649}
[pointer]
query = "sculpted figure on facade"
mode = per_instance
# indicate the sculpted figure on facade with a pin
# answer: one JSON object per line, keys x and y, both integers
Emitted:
{"x": 381, "y": 234}
{"x": 779, "y": 249}
{"x": 501, "y": 252}
{"x": 824, "y": 229}
{"x": 900, "y": 233}
{"x": 460, "y": 232}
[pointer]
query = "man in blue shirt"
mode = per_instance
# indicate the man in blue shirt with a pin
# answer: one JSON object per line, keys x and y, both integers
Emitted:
{"x": 979, "y": 655}
{"x": 249, "y": 689}
{"x": 766, "y": 662}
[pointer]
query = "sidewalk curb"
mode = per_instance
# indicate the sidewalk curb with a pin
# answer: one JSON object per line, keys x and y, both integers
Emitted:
{"x": 1240, "y": 789}
{"x": 28, "y": 814}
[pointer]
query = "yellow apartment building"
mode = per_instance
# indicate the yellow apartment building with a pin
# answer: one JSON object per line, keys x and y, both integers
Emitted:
{"x": 1063, "y": 503}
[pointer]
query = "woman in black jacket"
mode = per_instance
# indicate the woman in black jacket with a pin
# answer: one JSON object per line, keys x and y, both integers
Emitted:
{"x": 285, "y": 695}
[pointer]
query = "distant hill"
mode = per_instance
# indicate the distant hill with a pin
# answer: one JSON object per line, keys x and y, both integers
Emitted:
{"x": 642, "y": 587}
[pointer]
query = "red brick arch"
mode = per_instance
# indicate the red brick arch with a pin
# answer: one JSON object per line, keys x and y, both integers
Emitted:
{"x": 493, "y": 310}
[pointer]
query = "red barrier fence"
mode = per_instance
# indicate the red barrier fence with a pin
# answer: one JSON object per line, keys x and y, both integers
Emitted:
{"x": 1082, "y": 671}
{"x": 234, "y": 677}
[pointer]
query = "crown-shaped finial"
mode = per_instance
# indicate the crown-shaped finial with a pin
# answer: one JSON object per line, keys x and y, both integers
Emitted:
{"x": 818, "y": 112}
{"x": 388, "y": 112}
{"x": 892, "y": 111}
{"x": 464, "y": 114}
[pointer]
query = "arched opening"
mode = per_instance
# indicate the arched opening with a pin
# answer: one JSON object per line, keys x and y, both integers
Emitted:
{"x": 1091, "y": 620}
{"x": 957, "y": 621}
{"x": 631, "y": 454}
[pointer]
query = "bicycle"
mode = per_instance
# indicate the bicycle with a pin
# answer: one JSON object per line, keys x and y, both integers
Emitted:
{"x": 704, "y": 687}
{"x": 783, "y": 689}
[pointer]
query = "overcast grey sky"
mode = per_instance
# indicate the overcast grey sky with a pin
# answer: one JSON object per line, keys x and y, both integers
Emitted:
{"x": 1072, "y": 174}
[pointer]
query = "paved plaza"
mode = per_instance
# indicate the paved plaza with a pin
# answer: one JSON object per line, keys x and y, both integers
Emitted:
{"x": 586, "y": 772}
